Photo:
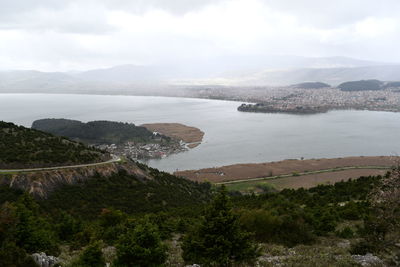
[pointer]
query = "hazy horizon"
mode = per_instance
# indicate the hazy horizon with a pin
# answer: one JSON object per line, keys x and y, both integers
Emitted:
{"x": 82, "y": 35}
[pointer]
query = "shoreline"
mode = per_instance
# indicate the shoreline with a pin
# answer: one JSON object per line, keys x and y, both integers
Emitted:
{"x": 291, "y": 167}
{"x": 227, "y": 99}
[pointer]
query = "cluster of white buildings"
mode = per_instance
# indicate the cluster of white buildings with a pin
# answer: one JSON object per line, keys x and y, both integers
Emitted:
{"x": 288, "y": 97}
{"x": 145, "y": 151}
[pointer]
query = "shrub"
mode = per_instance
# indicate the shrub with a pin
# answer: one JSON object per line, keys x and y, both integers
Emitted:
{"x": 141, "y": 246}
{"x": 346, "y": 232}
{"x": 219, "y": 240}
{"x": 90, "y": 257}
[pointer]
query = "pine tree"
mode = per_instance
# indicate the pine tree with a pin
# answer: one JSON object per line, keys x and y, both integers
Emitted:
{"x": 219, "y": 239}
{"x": 91, "y": 256}
{"x": 141, "y": 246}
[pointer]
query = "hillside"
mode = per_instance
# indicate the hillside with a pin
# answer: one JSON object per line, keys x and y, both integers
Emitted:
{"x": 392, "y": 85}
{"x": 21, "y": 147}
{"x": 326, "y": 225}
{"x": 143, "y": 190}
{"x": 363, "y": 85}
{"x": 96, "y": 132}
{"x": 131, "y": 187}
{"x": 311, "y": 85}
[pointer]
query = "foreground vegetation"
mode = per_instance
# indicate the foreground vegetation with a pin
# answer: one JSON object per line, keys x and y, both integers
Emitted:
{"x": 152, "y": 218}
{"x": 21, "y": 147}
{"x": 137, "y": 220}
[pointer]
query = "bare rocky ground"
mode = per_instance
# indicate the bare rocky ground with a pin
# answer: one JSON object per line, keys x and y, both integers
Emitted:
{"x": 326, "y": 252}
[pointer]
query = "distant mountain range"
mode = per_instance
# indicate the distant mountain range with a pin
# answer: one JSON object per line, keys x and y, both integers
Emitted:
{"x": 245, "y": 71}
{"x": 332, "y": 76}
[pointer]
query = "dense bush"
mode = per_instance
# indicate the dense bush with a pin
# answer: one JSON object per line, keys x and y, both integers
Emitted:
{"x": 91, "y": 256}
{"x": 273, "y": 228}
{"x": 219, "y": 240}
{"x": 141, "y": 246}
{"x": 127, "y": 193}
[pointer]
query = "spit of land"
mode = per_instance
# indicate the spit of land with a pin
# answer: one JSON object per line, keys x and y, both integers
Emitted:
{"x": 190, "y": 135}
{"x": 293, "y": 173}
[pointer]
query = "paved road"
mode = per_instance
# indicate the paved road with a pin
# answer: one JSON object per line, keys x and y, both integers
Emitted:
{"x": 114, "y": 159}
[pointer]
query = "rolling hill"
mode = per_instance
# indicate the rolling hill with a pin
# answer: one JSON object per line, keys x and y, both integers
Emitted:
{"x": 96, "y": 132}
{"x": 22, "y": 147}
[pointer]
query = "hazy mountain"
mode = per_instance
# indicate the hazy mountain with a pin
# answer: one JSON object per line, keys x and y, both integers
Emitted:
{"x": 332, "y": 76}
{"x": 258, "y": 63}
{"x": 36, "y": 81}
{"x": 268, "y": 70}
{"x": 127, "y": 74}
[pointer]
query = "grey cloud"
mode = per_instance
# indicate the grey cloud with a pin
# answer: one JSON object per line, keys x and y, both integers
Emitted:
{"x": 59, "y": 16}
{"x": 319, "y": 14}
{"x": 331, "y": 14}
{"x": 82, "y": 16}
{"x": 54, "y": 32}
{"x": 177, "y": 7}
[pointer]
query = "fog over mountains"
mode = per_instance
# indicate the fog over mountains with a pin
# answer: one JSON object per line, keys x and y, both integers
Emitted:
{"x": 246, "y": 71}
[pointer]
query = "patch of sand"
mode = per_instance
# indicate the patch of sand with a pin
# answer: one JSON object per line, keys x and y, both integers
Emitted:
{"x": 258, "y": 170}
{"x": 191, "y": 135}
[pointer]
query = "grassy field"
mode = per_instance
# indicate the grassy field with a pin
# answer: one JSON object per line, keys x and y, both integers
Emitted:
{"x": 302, "y": 179}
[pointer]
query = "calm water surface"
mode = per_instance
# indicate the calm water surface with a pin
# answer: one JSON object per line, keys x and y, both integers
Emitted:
{"x": 230, "y": 136}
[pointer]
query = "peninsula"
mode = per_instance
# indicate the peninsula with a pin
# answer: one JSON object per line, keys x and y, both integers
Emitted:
{"x": 190, "y": 135}
{"x": 148, "y": 141}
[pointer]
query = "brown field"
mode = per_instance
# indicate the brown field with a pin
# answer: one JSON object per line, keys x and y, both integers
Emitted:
{"x": 191, "y": 135}
{"x": 259, "y": 170}
{"x": 311, "y": 180}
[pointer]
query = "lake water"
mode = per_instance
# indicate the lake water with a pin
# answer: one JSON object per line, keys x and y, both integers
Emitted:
{"x": 230, "y": 136}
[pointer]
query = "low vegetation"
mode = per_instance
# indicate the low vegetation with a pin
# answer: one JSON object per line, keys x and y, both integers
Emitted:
{"x": 226, "y": 231}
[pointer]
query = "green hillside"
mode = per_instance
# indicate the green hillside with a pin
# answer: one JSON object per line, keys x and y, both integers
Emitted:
{"x": 22, "y": 147}
{"x": 128, "y": 193}
{"x": 96, "y": 132}
{"x": 116, "y": 211}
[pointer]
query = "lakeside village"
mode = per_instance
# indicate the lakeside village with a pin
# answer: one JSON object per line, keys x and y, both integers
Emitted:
{"x": 156, "y": 149}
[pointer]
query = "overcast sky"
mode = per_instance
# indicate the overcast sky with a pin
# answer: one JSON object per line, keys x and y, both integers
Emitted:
{"x": 57, "y": 35}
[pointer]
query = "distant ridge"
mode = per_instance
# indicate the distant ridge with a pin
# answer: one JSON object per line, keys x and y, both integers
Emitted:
{"x": 153, "y": 79}
{"x": 311, "y": 85}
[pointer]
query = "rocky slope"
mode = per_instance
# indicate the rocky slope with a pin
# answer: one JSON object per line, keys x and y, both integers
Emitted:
{"x": 42, "y": 183}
